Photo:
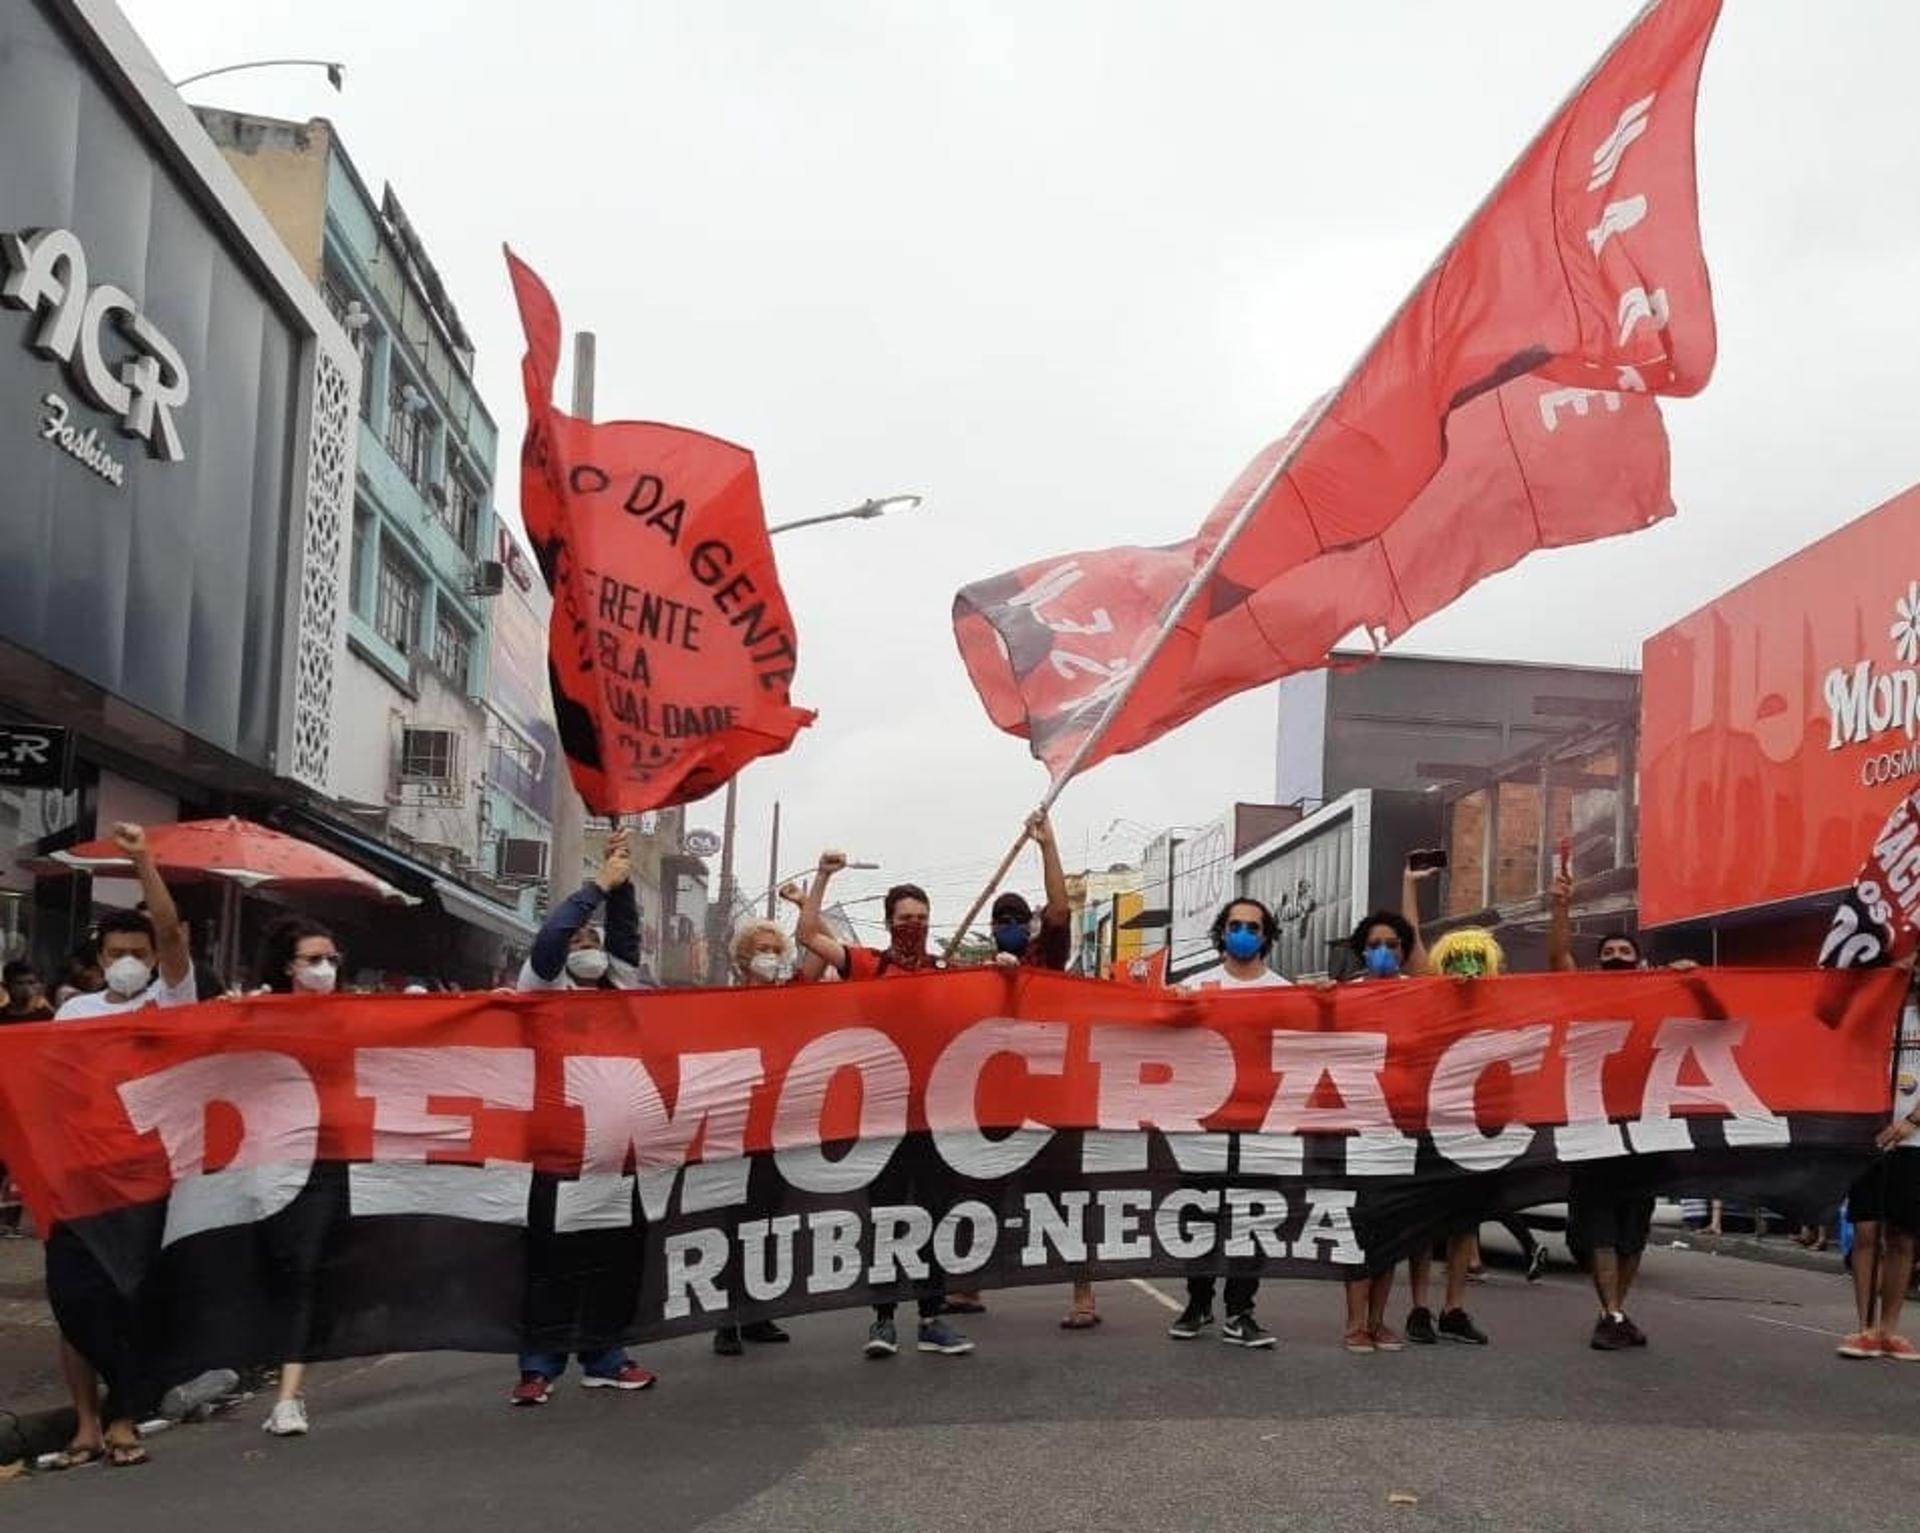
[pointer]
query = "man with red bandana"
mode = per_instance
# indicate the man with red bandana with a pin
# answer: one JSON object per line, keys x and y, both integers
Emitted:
{"x": 907, "y": 909}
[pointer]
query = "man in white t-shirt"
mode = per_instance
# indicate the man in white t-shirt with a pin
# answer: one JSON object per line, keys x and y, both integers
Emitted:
{"x": 1243, "y": 935}
{"x": 1884, "y": 1205}
{"x": 146, "y": 961}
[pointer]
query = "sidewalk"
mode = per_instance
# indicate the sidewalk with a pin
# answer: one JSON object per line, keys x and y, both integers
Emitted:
{"x": 34, "y": 1415}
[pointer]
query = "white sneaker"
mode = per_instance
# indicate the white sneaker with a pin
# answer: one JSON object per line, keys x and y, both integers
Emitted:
{"x": 289, "y": 1419}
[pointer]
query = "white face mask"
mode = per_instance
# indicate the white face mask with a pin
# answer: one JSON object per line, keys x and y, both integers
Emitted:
{"x": 764, "y": 966}
{"x": 315, "y": 978}
{"x": 127, "y": 976}
{"x": 587, "y": 964}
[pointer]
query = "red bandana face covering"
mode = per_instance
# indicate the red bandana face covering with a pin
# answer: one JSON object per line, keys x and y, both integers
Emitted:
{"x": 909, "y": 947}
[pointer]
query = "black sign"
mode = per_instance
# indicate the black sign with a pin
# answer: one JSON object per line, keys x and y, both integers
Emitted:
{"x": 33, "y": 758}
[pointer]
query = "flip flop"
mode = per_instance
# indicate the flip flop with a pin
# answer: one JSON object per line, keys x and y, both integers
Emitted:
{"x": 126, "y": 1455}
{"x": 1080, "y": 1320}
{"x": 72, "y": 1457}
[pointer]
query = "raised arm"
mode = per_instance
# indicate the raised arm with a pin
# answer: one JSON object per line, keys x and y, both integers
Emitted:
{"x": 811, "y": 934}
{"x": 549, "y": 955}
{"x": 169, "y": 936}
{"x": 1560, "y": 924}
{"x": 1411, "y": 879}
{"x": 810, "y": 964}
{"x": 1058, "y": 907}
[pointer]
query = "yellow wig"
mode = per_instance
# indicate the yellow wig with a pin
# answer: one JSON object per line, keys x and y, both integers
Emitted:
{"x": 1470, "y": 953}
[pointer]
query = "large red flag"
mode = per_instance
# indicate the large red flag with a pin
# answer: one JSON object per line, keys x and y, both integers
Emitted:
{"x": 671, "y": 651}
{"x": 1523, "y": 361}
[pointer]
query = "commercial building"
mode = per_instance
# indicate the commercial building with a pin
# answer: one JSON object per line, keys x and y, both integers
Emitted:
{"x": 176, "y": 417}
{"x": 1778, "y": 732}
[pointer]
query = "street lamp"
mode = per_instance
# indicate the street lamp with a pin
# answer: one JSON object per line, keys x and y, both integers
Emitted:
{"x": 866, "y": 511}
{"x": 722, "y": 909}
{"x": 336, "y": 71}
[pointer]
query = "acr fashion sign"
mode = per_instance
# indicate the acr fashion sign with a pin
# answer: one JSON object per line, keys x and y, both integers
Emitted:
{"x": 303, "y": 1177}
{"x": 78, "y": 322}
{"x": 1780, "y": 724}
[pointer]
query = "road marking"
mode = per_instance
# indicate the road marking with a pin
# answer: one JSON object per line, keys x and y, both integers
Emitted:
{"x": 1794, "y": 1325}
{"x": 1156, "y": 1295}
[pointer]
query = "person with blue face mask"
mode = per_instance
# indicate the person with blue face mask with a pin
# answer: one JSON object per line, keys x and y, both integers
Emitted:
{"x": 1243, "y": 935}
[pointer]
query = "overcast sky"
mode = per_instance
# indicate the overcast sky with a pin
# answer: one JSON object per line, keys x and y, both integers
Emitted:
{"x": 1062, "y": 268}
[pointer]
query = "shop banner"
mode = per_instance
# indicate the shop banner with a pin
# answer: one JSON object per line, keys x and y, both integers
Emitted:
{"x": 322, "y": 1177}
{"x": 672, "y": 650}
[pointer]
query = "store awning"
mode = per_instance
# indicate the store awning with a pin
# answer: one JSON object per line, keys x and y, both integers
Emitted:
{"x": 477, "y": 910}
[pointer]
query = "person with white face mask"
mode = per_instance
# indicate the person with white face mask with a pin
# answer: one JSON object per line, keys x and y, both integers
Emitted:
{"x": 569, "y": 954}
{"x": 297, "y": 957}
{"x": 145, "y": 961}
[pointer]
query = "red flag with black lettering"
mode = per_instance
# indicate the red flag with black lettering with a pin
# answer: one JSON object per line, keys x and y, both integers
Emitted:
{"x": 672, "y": 650}
{"x": 1523, "y": 362}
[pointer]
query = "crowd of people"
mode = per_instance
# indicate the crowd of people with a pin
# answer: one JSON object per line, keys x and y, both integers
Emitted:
{"x": 141, "y": 958}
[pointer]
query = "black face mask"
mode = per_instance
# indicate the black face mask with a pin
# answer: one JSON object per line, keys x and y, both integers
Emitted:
{"x": 1615, "y": 961}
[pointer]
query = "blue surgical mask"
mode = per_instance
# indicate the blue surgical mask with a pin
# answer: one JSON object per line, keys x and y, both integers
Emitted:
{"x": 1243, "y": 945}
{"x": 1011, "y": 938}
{"x": 1382, "y": 961}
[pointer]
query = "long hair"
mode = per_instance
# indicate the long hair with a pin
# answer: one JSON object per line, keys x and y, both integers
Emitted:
{"x": 1400, "y": 925}
{"x": 277, "y": 947}
{"x": 1269, "y": 926}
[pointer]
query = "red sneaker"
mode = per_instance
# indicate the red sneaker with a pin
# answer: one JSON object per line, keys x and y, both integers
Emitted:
{"x": 533, "y": 1389}
{"x": 1860, "y": 1344}
{"x": 1899, "y": 1349}
{"x": 630, "y": 1376}
{"x": 1387, "y": 1339}
{"x": 1359, "y": 1340}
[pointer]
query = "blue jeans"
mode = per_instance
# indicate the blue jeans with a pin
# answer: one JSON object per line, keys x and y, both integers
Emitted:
{"x": 550, "y": 1365}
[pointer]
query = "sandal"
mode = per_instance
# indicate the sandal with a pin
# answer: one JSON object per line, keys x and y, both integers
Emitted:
{"x": 73, "y": 1456}
{"x": 124, "y": 1455}
{"x": 1080, "y": 1320}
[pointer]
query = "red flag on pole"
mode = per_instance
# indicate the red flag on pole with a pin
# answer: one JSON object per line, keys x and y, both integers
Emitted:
{"x": 671, "y": 651}
{"x": 1522, "y": 362}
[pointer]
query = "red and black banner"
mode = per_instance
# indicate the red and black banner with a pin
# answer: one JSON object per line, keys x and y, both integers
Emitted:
{"x": 310, "y": 1178}
{"x": 672, "y": 649}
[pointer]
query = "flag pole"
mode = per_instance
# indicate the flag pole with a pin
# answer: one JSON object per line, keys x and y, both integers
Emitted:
{"x": 1250, "y": 506}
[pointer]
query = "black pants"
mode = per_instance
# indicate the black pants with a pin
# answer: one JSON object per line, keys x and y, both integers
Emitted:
{"x": 108, "y": 1329}
{"x": 929, "y": 1305}
{"x": 1240, "y": 1292}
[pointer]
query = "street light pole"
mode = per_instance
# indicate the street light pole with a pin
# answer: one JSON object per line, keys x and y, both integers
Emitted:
{"x": 336, "y": 71}
{"x": 569, "y": 841}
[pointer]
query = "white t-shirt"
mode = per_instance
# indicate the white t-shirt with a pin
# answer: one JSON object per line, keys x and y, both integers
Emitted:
{"x": 1220, "y": 979}
{"x": 99, "y": 1003}
{"x": 1906, "y": 1093}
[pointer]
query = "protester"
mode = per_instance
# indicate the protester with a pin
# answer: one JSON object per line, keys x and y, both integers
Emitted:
{"x": 145, "y": 962}
{"x": 762, "y": 955}
{"x": 26, "y": 994}
{"x": 1243, "y": 935}
{"x": 297, "y": 956}
{"x": 80, "y": 974}
{"x": 906, "y": 909}
{"x": 570, "y": 953}
{"x": 1884, "y": 1204}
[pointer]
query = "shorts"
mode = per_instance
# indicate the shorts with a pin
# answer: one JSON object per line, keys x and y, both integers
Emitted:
{"x": 1889, "y": 1191}
{"x": 1607, "y": 1211}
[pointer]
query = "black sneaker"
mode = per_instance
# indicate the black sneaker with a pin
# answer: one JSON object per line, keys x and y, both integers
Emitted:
{"x": 764, "y": 1332}
{"x": 1635, "y": 1335}
{"x": 1457, "y": 1325}
{"x": 1420, "y": 1329}
{"x": 726, "y": 1341}
{"x": 1242, "y": 1330}
{"x": 1194, "y": 1319}
{"x": 882, "y": 1339}
{"x": 1610, "y": 1335}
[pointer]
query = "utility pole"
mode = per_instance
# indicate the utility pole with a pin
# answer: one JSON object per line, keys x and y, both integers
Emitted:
{"x": 773, "y": 866}
{"x": 569, "y": 843}
{"x": 720, "y": 913}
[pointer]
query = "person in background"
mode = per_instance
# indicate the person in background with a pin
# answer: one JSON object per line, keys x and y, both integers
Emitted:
{"x": 762, "y": 955}
{"x": 26, "y": 994}
{"x": 906, "y": 910}
{"x": 1021, "y": 943}
{"x": 1884, "y": 1204}
{"x": 569, "y": 953}
{"x": 80, "y": 974}
{"x": 1243, "y": 935}
{"x": 145, "y": 963}
{"x": 297, "y": 957}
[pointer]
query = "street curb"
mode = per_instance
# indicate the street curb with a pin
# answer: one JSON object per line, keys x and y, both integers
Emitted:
{"x": 1779, "y": 1252}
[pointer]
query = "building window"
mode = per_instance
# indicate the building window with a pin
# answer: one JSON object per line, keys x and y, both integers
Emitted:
{"x": 452, "y": 648}
{"x": 430, "y": 760}
{"x": 397, "y": 600}
{"x": 409, "y": 429}
{"x": 514, "y": 766}
{"x": 462, "y": 511}
{"x": 356, "y": 321}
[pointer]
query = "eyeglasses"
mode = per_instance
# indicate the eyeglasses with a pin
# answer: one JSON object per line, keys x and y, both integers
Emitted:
{"x": 1247, "y": 926}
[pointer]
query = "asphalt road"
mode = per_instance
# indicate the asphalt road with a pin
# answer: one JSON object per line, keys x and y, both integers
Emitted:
{"x": 1738, "y": 1415}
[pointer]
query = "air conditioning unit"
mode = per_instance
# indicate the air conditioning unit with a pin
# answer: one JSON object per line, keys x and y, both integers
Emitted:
{"x": 489, "y": 578}
{"x": 523, "y": 858}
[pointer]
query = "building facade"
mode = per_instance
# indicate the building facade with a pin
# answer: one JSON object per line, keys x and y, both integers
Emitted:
{"x": 176, "y": 417}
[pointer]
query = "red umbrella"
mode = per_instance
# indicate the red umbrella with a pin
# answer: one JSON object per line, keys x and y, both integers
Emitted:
{"x": 246, "y": 854}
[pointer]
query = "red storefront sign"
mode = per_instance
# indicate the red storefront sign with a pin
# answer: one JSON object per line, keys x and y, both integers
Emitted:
{"x": 1780, "y": 724}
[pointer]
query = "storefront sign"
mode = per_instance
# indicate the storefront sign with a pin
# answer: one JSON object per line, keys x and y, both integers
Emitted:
{"x": 46, "y": 274}
{"x": 32, "y": 758}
